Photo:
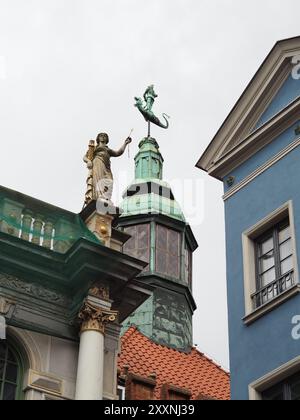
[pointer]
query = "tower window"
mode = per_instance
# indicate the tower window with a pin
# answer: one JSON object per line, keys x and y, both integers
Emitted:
{"x": 167, "y": 251}
{"x": 188, "y": 265}
{"x": 138, "y": 245}
{"x": 10, "y": 373}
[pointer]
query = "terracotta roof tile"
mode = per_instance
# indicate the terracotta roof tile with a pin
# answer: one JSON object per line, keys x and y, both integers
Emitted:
{"x": 193, "y": 371}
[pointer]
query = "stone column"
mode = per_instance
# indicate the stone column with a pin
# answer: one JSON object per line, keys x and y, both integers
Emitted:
{"x": 37, "y": 229}
{"x": 48, "y": 232}
{"x": 94, "y": 316}
{"x": 26, "y": 225}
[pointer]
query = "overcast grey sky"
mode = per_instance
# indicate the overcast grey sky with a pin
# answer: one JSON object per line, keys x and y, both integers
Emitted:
{"x": 70, "y": 69}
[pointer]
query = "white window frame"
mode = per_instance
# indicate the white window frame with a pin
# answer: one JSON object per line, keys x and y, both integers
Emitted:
{"x": 123, "y": 392}
{"x": 249, "y": 262}
{"x": 273, "y": 378}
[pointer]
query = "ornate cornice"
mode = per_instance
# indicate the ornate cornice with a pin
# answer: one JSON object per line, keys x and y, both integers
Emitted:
{"x": 95, "y": 318}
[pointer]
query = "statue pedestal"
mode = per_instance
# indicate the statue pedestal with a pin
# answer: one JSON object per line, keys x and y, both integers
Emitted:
{"x": 99, "y": 216}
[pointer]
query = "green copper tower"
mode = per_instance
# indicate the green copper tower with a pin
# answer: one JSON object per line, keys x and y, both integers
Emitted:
{"x": 159, "y": 235}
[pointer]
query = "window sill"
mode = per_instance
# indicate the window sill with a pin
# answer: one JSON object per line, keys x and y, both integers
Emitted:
{"x": 269, "y": 306}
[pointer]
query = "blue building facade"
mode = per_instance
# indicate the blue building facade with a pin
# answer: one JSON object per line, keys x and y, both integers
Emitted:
{"x": 256, "y": 154}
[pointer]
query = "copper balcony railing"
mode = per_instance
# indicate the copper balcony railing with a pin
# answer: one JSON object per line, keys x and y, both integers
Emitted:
{"x": 272, "y": 290}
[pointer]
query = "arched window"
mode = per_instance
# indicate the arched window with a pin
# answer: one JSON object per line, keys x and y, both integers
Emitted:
{"x": 11, "y": 372}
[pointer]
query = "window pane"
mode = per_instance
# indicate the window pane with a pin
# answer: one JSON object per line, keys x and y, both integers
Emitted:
{"x": 161, "y": 262}
{"x": 268, "y": 277}
{"x": 2, "y": 350}
{"x": 10, "y": 356}
{"x": 143, "y": 236}
{"x": 266, "y": 246}
{"x": 121, "y": 393}
{"x": 142, "y": 254}
{"x": 139, "y": 245}
{"x": 11, "y": 373}
{"x": 174, "y": 243}
{"x": 173, "y": 269}
{"x": 285, "y": 249}
{"x": 9, "y": 393}
{"x": 161, "y": 237}
{"x": 1, "y": 369}
{"x": 267, "y": 262}
{"x": 286, "y": 265}
{"x": 187, "y": 260}
{"x": 284, "y": 234}
{"x": 274, "y": 394}
{"x": 130, "y": 244}
{"x": 295, "y": 389}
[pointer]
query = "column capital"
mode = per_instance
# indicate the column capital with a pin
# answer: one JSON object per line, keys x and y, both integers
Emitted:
{"x": 95, "y": 318}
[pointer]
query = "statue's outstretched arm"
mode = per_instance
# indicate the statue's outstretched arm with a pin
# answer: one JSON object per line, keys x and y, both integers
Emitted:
{"x": 116, "y": 153}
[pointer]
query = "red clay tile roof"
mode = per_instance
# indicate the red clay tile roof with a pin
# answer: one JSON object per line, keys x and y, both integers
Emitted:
{"x": 192, "y": 371}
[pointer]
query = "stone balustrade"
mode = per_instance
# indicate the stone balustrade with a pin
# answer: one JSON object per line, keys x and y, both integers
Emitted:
{"x": 39, "y": 223}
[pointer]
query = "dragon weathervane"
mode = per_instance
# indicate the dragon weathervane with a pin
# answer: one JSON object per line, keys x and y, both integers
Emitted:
{"x": 145, "y": 107}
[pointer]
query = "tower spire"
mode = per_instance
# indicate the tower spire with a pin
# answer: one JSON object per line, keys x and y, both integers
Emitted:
{"x": 149, "y": 161}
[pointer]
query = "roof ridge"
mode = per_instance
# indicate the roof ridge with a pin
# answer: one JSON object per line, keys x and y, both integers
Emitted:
{"x": 131, "y": 330}
{"x": 209, "y": 359}
{"x": 142, "y": 355}
{"x": 135, "y": 329}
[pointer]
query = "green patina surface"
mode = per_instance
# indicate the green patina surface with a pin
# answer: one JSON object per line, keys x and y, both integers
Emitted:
{"x": 40, "y": 223}
{"x": 143, "y": 318}
{"x": 149, "y": 161}
{"x": 48, "y": 262}
{"x": 172, "y": 320}
{"x": 148, "y": 193}
{"x": 166, "y": 318}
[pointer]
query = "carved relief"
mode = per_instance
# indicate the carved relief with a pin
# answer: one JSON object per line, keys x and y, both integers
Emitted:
{"x": 100, "y": 292}
{"x": 13, "y": 283}
{"x": 5, "y": 305}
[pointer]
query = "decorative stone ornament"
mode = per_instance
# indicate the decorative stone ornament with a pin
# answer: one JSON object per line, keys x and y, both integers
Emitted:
{"x": 100, "y": 292}
{"x": 5, "y": 306}
{"x": 95, "y": 318}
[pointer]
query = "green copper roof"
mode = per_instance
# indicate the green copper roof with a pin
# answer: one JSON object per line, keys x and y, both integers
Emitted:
{"x": 148, "y": 193}
{"x": 149, "y": 161}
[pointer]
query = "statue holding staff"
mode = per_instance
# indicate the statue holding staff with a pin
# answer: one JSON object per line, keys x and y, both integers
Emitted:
{"x": 100, "y": 177}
